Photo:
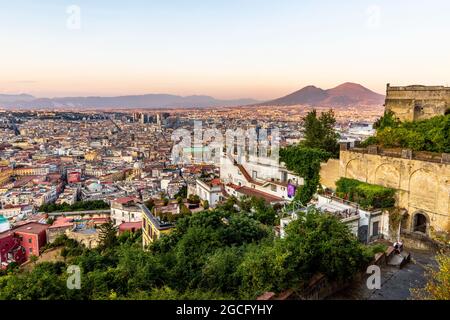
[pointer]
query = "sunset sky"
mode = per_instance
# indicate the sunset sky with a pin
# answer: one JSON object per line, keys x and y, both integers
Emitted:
{"x": 225, "y": 48}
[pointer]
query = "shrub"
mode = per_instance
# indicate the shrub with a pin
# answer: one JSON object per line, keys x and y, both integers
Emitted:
{"x": 367, "y": 195}
{"x": 431, "y": 135}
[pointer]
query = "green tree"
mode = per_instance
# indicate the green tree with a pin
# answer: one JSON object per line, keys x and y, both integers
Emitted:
{"x": 194, "y": 199}
{"x": 305, "y": 162}
{"x": 425, "y": 135}
{"x": 107, "y": 235}
{"x": 182, "y": 193}
{"x": 319, "y": 132}
{"x": 220, "y": 270}
{"x": 263, "y": 211}
{"x": 387, "y": 120}
{"x": 265, "y": 268}
{"x": 330, "y": 246}
{"x": 242, "y": 229}
{"x": 184, "y": 210}
{"x": 438, "y": 285}
{"x": 150, "y": 204}
{"x": 34, "y": 259}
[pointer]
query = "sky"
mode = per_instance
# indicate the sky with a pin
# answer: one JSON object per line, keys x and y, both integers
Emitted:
{"x": 224, "y": 48}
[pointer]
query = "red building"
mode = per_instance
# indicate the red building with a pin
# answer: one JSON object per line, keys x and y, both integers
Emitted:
{"x": 130, "y": 226}
{"x": 74, "y": 177}
{"x": 10, "y": 249}
{"x": 32, "y": 237}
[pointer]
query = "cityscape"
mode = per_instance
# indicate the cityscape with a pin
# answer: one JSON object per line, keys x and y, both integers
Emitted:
{"x": 220, "y": 189}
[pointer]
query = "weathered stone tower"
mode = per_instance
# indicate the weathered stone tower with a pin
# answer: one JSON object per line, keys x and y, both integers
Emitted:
{"x": 416, "y": 102}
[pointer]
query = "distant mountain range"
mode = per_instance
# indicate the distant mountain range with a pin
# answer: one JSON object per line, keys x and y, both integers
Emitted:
{"x": 7, "y": 98}
{"x": 151, "y": 101}
{"x": 347, "y": 94}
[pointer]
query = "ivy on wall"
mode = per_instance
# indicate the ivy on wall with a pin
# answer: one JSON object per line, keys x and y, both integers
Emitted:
{"x": 368, "y": 196}
{"x": 426, "y": 135}
{"x": 305, "y": 162}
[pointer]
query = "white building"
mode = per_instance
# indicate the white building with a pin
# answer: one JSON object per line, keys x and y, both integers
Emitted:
{"x": 210, "y": 191}
{"x": 364, "y": 224}
{"x": 264, "y": 177}
{"x": 4, "y": 224}
{"x": 15, "y": 211}
{"x": 367, "y": 225}
{"x": 361, "y": 129}
{"x": 125, "y": 210}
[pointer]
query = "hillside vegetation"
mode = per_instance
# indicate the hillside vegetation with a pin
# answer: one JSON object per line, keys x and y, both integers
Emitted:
{"x": 426, "y": 135}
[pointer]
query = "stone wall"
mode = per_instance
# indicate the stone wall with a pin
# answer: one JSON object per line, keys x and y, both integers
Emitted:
{"x": 423, "y": 187}
{"x": 417, "y": 102}
{"x": 329, "y": 173}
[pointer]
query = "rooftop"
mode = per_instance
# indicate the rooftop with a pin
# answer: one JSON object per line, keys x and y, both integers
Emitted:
{"x": 255, "y": 193}
{"x": 156, "y": 222}
{"x": 32, "y": 228}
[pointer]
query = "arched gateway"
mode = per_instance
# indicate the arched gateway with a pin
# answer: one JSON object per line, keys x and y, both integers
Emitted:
{"x": 420, "y": 223}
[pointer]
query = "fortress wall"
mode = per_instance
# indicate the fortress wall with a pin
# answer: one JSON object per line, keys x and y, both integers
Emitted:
{"x": 329, "y": 173}
{"x": 417, "y": 102}
{"x": 423, "y": 187}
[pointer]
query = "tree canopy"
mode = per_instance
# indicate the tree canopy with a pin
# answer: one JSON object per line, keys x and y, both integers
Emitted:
{"x": 438, "y": 285}
{"x": 319, "y": 132}
{"x": 214, "y": 254}
{"x": 320, "y": 144}
{"x": 426, "y": 135}
{"x": 305, "y": 162}
{"x": 77, "y": 206}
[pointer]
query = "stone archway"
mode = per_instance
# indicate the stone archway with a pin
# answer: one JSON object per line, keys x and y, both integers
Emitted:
{"x": 356, "y": 169}
{"x": 387, "y": 175}
{"x": 420, "y": 223}
{"x": 423, "y": 190}
{"x": 447, "y": 112}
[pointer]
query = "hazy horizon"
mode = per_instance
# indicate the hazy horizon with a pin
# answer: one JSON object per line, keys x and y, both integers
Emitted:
{"x": 175, "y": 94}
{"x": 225, "y": 49}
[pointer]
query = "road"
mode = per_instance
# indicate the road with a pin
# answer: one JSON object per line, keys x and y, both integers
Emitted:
{"x": 395, "y": 283}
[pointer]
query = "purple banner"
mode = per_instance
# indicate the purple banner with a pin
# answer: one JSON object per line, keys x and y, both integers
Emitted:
{"x": 291, "y": 190}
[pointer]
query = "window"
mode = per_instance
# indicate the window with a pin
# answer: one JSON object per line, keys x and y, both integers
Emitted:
{"x": 273, "y": 187}
{"x": 31, "y": 250}
{"x": 29, "y": 240}
{"x": 375, "y": 228}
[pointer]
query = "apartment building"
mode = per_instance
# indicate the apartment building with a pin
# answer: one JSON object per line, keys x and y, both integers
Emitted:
{"x": 124, "y": 210}
{"x": 262, "y": 177}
